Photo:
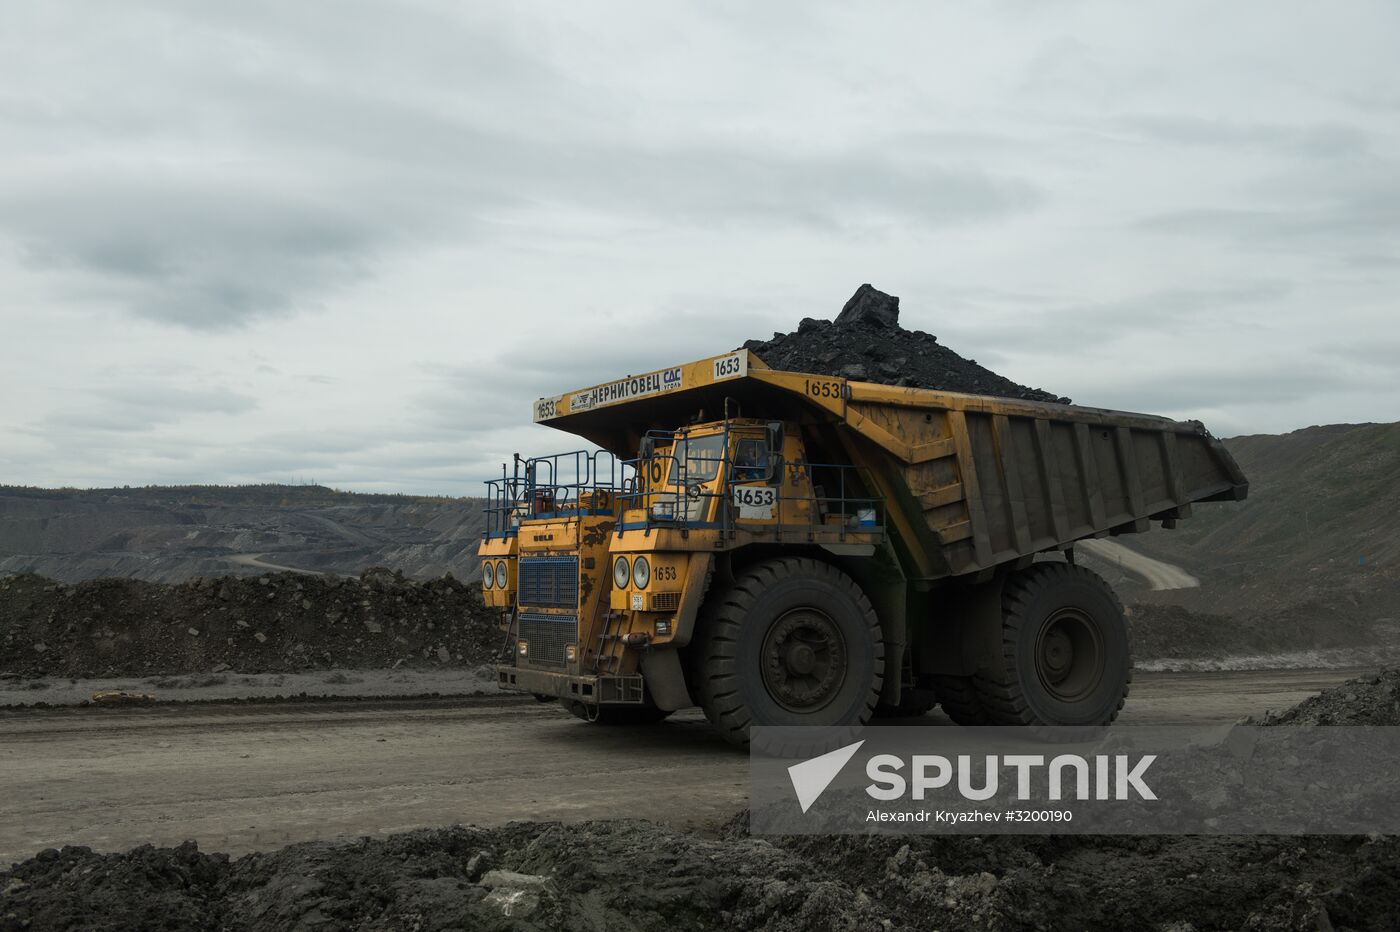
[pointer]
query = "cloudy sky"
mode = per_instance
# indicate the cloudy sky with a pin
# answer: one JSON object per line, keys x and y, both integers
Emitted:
{"x": 350, "y": 242}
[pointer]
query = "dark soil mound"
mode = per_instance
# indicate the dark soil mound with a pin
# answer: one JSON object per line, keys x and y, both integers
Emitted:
{"x": 1164, "y": 632}
{"x": 1366, "y": 700}
{"x": 640, "y": 876}
{"x": 866, "y": 343}
{"x": 275, "y": 623}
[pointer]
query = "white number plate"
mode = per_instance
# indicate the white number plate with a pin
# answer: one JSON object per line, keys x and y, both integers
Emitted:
{"x": 732, "y": 366}
{"x": 755, "y": 501}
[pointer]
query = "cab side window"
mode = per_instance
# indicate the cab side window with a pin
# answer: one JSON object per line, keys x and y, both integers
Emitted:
{"x": 751, "y": 461}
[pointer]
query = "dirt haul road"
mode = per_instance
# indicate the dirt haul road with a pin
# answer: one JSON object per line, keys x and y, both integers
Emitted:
{"x": 1158, "y": 573}
{"x": 245, "y": 777}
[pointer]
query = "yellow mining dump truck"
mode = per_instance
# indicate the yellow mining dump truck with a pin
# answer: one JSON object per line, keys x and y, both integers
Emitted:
{"x": 786, "y": 548}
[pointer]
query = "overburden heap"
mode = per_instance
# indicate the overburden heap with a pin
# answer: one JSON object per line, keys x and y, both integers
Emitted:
{"x": 866, "y": 344}
{"x": 274, "y": 623}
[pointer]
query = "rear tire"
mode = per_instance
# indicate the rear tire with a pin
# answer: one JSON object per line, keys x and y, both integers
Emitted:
{"x": 1064, "y": 654}
{"x": 793, "y": 641}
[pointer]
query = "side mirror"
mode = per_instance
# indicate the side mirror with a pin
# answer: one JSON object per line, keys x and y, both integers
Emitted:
{"x": 647, "y": 448}
{"x": 775, "y": 438}
{"x": 775, "y": 451}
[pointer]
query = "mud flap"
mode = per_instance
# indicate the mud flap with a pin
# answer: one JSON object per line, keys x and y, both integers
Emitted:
{"x": 665, "y": 680}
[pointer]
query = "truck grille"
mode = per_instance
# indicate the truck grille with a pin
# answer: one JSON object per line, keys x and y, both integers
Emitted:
{"x": 549, "y": 582}
{"x": 547, "y": 636}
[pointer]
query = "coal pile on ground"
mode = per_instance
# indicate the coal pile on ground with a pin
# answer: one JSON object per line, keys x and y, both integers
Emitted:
{"x": 641, "y": 876}
{"x": 274, "y": 623}
{"x": 866, "y": 344}
{"x": 1366, "y": 700}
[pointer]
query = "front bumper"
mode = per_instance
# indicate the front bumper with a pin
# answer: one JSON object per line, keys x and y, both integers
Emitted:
{"x": 591, "y": 690}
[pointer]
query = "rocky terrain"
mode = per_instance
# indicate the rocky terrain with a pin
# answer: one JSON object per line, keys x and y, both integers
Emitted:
{"x": 641, "y": 876}
{"x": 275, "y": 622}
{"x": 1367, "y": 700}
{"x": 637, "y": 875}
{"x": 866, "y": 343}
{"x": 171, "y": 534}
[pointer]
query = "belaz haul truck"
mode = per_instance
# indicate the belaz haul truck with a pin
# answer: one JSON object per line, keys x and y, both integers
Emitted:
{"x": 782, "y": 548}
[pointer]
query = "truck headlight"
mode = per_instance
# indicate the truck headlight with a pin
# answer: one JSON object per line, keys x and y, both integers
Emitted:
{"x": 522, "y": 648}
{"x": 641, "y": 572}
{"x": 501, "y": 575}
{"x": 488, "y": 575}
{"x": 621, "y": 571}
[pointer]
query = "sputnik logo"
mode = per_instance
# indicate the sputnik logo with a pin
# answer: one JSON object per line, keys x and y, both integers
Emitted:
{"x": 811, "y": 777}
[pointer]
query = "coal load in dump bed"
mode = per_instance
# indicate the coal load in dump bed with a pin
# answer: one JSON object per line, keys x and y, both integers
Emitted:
{"x": 866, "y": 344}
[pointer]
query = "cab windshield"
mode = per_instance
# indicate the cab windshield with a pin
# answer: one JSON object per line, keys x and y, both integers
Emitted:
{"x": 702, "y": 456}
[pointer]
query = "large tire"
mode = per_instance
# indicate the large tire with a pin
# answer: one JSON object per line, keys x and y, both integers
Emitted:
{"x": 958, "y": 697}
{"x": 615, "y": 714}
{"x": 1064, "y": 654}
{"x": 793, "y": 641}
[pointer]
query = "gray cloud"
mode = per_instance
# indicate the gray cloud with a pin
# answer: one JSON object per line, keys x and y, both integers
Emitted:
{"x": 352, "y": 242}
{"x": 123, "y": 407}
{"x": 1316, "y": 140}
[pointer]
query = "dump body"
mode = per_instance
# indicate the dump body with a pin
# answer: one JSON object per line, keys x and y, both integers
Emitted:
{"x": 969, "y": 482}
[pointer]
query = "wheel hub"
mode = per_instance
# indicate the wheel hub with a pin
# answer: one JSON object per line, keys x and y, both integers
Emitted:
{"x": 1069, "y": 655}
{"x": 804, "y": 660}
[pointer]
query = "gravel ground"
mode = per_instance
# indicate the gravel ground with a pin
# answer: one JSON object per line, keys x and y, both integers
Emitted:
{"x": 218, "y": 687}
{"x": 632, "y": 874}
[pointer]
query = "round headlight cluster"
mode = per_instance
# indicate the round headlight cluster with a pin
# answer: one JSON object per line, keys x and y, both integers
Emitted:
{"x": 621, "y": 572}
{"x": 493, "y": 575}
{"x": 641, "y": 572}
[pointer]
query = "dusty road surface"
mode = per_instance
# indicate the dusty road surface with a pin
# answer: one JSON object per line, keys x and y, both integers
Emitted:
{"x": 1158, "y": 573}
{"x": 243, "y": 777}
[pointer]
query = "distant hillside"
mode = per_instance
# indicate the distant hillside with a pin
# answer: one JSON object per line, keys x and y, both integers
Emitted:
{"x": 1316, "y": 540}
{"x": 169, "y": 534}
{"x": 1315, "y": 548}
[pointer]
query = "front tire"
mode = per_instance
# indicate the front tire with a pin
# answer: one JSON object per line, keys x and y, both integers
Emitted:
{"x": 793, "y": 641}
{"x": 1064, "y": 655}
